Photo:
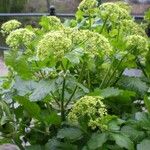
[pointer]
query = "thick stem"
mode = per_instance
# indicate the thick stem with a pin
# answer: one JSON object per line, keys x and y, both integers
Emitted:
{"x": 104, "y": 24}
{"x": 62, "y": 101}
{"x": 105, "y": 77}
{"x": 76, "y": 87}
{"x": 56, "y": 100}
{"x": 69, "y": 100}
{"x": 118, "y": 78}
{"x": 141, "y": 67}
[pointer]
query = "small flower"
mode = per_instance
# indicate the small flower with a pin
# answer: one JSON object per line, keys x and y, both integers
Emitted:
{"x": 137, "y": 44}
{"x": 9, "y": 26}
{"x": 54, "y": 43}
{"x": 124, "y": 5}
{"x": 129, "y": 27}
{"x": 90, "y": 107}
{"x": 20, "y": 37}
{"x": 113, "y": 12}
{"x": 93, "y": 43}
{"x": 87, "y": 5}
{"x": 51, "y": 23}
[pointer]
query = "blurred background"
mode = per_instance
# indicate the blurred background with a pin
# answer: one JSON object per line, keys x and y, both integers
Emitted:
{"x": 41, "y": 6}
{"x": 62, "y": 6}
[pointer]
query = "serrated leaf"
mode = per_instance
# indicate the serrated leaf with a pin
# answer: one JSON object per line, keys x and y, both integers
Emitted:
{"x": 133, "y": 133}
{"x": 147, "y": 103}
{"x": 117, "y": 95}
{"x": 97, "y": 140}
{"x": 42, "y": 90}
{"x": 24, "y": 87}
{"x": 32, "y": 108}
{"x": 123, "y": 141}
{"x": 54, "y": 144}
{"x": 144, "y": 145}
{"x": 75, "y": 56}
{"x": 69, "y": 133}
{"x": 34, "y": 147}
{"x": 134, "y": 84}
{"x": 19, "y": 64}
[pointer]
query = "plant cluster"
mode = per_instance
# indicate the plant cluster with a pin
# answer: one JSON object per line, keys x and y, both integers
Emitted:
{"x": 67, "y": 86}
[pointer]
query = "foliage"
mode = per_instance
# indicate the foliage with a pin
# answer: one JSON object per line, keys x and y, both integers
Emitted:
{"x": 66, "y": 87}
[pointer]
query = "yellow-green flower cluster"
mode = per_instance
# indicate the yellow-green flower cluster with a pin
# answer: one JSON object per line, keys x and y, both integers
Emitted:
{"x": 87, "y": 5}
{"x": 52, "y": 23}
{"x": 124, "y": 5}
{"x": 93, "y": 43}
{"x": 54, "y": 43}
{"x": 137, "y": 44}
{"x": 20, "y": 37}
{"x": 113, "y": 12}
{"x": 9, "y": 26}
{"x": 129, "y": 27}
{"x": 90, "y": 107}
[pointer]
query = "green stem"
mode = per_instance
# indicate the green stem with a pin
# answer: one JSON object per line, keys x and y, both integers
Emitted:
{"x": 112, "y": 75}
{"x": 89, "y": 81}
{"x": 40, "y": 70}
{"x": 75, "y": 89}
{"x": 69, "y": 100}
{"x": 56, "y": 100}
{"x": 105, "y": 77}
{"x": 118, "y": 78}
{"x": 104, "y": 24}
{"x": 141, "y": 67}
{"x": 62, "y": 101}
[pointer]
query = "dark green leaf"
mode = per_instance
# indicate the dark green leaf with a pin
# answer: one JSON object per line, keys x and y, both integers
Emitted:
{"x": 123, "y": 141}
{"x": 24, "y": 87}
{"x": 97, "y": 140}
{"x": 32, "y": 108}
{"x": 42, "y": 90}
{"x": 144, "y": 145}
{"x": 53, "y": 144}
{"x": 147, "y": 103}
{"x": 134, "y": 84}
{"x": 69, "y": 133}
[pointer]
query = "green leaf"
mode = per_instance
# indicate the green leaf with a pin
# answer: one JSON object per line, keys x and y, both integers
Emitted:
{"x": 19, "y": 64}
{"x": 134, "y": 84}
{"x": 75, "y": 56}
{"x": 97, "y": 140}
{"x": 42, "y": 90}
{"x": 24, "y": 87}
{"x": 144, "y": 145}
{"x": 69, "y": 133}
{"x": 133, "y": 133}
{"x": 118, "y": 95}
{"x": 32, "y": 108}
{"x": 34, "y": 147}
{"x": 123, "y": 141}
{"x": 52, "y": 118}
{"x": 147, "y": 102}
{"x": 54, "y": 144}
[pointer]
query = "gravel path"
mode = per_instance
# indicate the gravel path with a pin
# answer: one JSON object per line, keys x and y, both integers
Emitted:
{"x": 3, "y": 69}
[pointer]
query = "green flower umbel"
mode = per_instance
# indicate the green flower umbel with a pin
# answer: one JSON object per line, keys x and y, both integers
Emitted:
{"x": 94, "y": 44}
{"x": 9, "y": 26}
{"x": 113, "y": 12}
{"x": 54, "y": 44}
{"x": 19, "y": 37}
{"x": 51, "y": 23}
{"x": 129, "y": 27}
{"x": 138, "y": 45}
{"x": 90, "y": 108}
{"x": 87, "y": 5}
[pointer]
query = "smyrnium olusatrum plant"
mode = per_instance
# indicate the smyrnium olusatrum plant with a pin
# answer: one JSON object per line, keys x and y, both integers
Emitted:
{"x": 71, "y": 72}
